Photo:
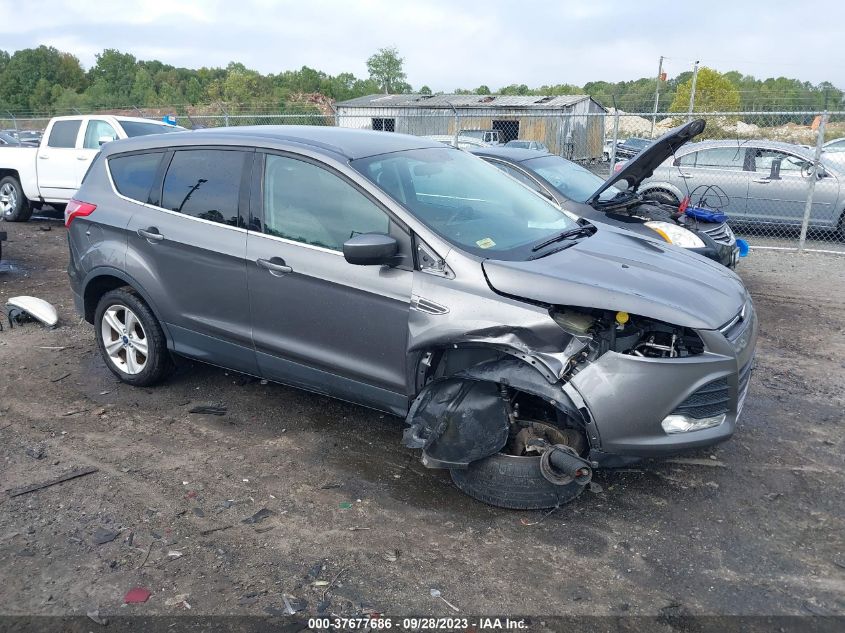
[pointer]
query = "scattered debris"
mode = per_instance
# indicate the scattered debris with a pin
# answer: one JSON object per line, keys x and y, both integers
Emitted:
{"x": 73, "y": 474}
{"x": 546, "y": 515}
{"x": 102, "y": 536}
{"x": 391, "y": 556}
{"x": 147, "y": 555}
{"x": 136, "y": 595}
{"x": 331, "y": 485}
{"x": 179, "y": 600}
{"x": 595, "y": 488}
{"x": 332, "y": 582}
{"x": 344, "y": 505}
{"x": 36, "y": 452}
{"x": 94, "y": 616}
{"x": 288, "y": 608}
{"x": 435, "y": 593}
{"x": 249, "y": 598}
{"x": 198, "y": 512}
{"x": 62, "y": 377}
{"x": 320, "y": 583}
{"x": 212, "y": 530}
{"x": 259, "y": 516}
{"x": 355, "y": 528}
{"x": 209, "y": 409}
{"x": 696, "y": 461}
{"x": 315, "y": 570}
{"x": 174, "y": 554}
{"x": 21, "y": 309}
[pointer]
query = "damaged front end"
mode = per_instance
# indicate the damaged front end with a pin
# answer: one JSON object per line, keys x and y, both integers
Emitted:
{"x": 501, "y": 390}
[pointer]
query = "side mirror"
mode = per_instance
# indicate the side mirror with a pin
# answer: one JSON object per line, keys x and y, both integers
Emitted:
{"x": 371, "y": 249}
{"x": 104, "y": 139}
{"x": 774, "y": 174}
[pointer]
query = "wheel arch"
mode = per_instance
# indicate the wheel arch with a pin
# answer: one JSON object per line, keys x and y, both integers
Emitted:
{"x": 104, "y": 279}
{"x": 663, "y": 186}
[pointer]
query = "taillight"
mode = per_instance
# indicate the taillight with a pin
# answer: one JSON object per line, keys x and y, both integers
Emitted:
{"x": 77, "y": 209}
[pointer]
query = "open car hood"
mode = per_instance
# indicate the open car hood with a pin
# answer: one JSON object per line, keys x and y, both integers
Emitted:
{"x": 643, "y": 164}
{"x": 618, "y": 270}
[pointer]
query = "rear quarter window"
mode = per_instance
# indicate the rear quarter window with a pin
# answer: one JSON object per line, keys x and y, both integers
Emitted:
{"x": 133, "y": 175}
{"x": 64, "y": 133}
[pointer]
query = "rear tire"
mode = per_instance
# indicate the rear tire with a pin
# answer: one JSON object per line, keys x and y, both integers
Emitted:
{"x": 147, "y": 368}
{"x": 14, "y": 206}
{"x": 515, "y": 482}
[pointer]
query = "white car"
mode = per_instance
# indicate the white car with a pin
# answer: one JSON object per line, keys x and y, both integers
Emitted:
{"x": 52, "y": 172}
{"x": 835, "y": 146}
{"x": 464, "y": 142}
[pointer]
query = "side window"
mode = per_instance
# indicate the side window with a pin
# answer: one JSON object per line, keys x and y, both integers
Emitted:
{"x": 134, "y": 175}
{"x": 525, "y": 180}
{"x": 97, "y": 130}
{"x": 204, "y": 183}
{"x": 763, "y": 159}
{"x": 305, "y": 203}
{"x": 731, "y": 158}
{"x": 63, "y": 133}
{"x": 687, "y": 160}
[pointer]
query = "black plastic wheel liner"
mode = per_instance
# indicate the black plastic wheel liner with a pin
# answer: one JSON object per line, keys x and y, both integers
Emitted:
{"x": 462, "y": 418}
{"x": 457, "y": 420}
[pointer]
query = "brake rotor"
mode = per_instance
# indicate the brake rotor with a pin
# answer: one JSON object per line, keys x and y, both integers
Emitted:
{"x": 519, "y": 444}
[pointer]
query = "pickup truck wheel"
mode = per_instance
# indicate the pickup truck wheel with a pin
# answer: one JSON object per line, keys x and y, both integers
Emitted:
{"x": 130, "y": 338}
{"x": 14, "y": 207}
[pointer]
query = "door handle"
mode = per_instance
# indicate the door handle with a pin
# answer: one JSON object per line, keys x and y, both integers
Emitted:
{"x": 276, "y": 266}
{"x": 683, "y": 175}
{"x": 43, "y": 156}
{"x": 151, "y": 234}
{"x": 81, "y": 157}
{"x": 761, "y": 181}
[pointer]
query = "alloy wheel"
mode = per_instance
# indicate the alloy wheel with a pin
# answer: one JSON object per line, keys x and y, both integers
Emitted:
{"x": 124, "y": 339}
{"x": 8, "y": 199}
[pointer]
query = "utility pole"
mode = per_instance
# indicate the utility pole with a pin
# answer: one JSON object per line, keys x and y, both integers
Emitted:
{"x": 692, "y": 90}
{"x": 657, "y": 94}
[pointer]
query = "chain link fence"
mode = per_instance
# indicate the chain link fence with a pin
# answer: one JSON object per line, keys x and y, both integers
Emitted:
{"x": 778, "y": 176}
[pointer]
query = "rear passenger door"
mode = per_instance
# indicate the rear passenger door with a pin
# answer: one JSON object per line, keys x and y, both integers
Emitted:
{"x": 319, "y": 322}
{"x": 58, "y": 163}
{"x": 186, "y": 248}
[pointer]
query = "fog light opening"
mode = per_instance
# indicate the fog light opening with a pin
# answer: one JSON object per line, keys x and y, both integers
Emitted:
{"x": 674, "y": 423}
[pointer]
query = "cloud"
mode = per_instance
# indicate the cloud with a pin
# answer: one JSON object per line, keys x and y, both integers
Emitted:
{"x": 446, "y": 44}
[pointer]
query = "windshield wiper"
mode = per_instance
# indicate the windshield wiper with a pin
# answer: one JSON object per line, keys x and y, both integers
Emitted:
{"x": 581, "y": 230}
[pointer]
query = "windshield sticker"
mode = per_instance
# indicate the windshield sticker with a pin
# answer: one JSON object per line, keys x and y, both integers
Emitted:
{"x": 486, "y": 243}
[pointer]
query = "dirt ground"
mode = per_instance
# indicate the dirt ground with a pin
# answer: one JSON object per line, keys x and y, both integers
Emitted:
{"x": 754, "y": 526}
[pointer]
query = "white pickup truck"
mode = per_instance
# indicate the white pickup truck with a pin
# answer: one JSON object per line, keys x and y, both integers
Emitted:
{"x": 52, "y": 172}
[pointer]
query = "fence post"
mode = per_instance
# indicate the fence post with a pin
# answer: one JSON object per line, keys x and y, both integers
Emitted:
{"x": 457, "y": 123}
{"x": 225, "y": 115}
{"x": 615, "y": 139}
{"x": 692, "y": 91}
{"x": 808, "y": 207}
{"x": 14, "y": 121}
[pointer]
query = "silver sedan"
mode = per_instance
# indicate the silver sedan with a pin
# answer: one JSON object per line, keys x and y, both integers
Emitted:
{"x": 763, "y": 182}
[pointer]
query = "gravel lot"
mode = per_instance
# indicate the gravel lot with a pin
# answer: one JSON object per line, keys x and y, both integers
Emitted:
{"x": 754, "y": 526}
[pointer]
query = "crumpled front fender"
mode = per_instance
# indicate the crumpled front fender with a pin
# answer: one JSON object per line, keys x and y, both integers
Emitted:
{"x": 463, "y": 418}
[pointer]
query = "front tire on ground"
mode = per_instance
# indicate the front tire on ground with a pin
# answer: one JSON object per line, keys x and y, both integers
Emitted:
{"x": 14, "y": 207}
{"x": 511, "y": 481}
{"x": 130, "y": 338}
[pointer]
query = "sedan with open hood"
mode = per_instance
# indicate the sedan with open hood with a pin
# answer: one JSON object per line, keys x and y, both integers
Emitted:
{"x": 615, "y": 200}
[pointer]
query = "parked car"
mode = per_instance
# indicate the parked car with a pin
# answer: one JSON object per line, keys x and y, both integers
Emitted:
{"x": 835, "y": 146}
{"x": 51, "y": 172}
{"x": 607, "y": 149}
{"x": 464, "y": 142}
{"x": 535, "y": 145}
{"x": 522, "y": 346}
{"x": 582, "y": 192}
{"x": 764, "y": 182}
{"x": 631, "y": 147}
{"x": 490, "y": 137}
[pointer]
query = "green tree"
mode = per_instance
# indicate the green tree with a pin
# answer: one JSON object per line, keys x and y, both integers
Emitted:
{"x": 24, "y": 71}
{"x": 482, "y": 90}
{"x": 425, "y": 90}
{"x": 713, "y": 93}
{"x": 386, "y": 68}
{"x": 113, "y": 75}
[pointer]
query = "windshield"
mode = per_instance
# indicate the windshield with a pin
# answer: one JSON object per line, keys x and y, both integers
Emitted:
{"x": 137, "y": 128}
{"x": 467, "y": 201}
{"x": 638, "y": 142}
{"x": 573, "y": 181}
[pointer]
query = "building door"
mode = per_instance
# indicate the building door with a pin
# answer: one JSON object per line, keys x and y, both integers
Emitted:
{"x": 508, "y": 130}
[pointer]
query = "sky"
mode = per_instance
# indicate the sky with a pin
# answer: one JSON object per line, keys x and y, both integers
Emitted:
{"x": 448, "y": 44}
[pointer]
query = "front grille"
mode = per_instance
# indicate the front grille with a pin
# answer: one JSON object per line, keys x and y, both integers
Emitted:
{"x": 710, "y": 400}
{"x": 720, "y": 233}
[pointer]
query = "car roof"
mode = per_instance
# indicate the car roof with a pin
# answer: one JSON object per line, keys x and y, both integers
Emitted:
{"x": 754, "y": 142}
{"x": 347, "y": 142}
{"x": 513, "y": 154}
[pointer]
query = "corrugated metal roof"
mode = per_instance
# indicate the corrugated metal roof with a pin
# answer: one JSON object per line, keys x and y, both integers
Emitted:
{"x": 462, "y": 101}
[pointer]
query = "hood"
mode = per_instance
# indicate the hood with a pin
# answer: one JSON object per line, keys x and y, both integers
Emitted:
{"x": 643, "y": 164}
{"x": 618, "y": 270}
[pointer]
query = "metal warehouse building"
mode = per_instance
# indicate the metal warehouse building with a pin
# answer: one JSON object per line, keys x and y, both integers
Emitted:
{"x": 569, "y": 125}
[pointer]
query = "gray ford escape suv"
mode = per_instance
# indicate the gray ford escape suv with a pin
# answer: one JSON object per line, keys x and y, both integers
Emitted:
{"x": 523, "y": 347}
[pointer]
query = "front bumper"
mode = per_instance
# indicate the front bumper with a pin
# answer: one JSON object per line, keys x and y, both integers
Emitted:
{"x": 628, "y": 397}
